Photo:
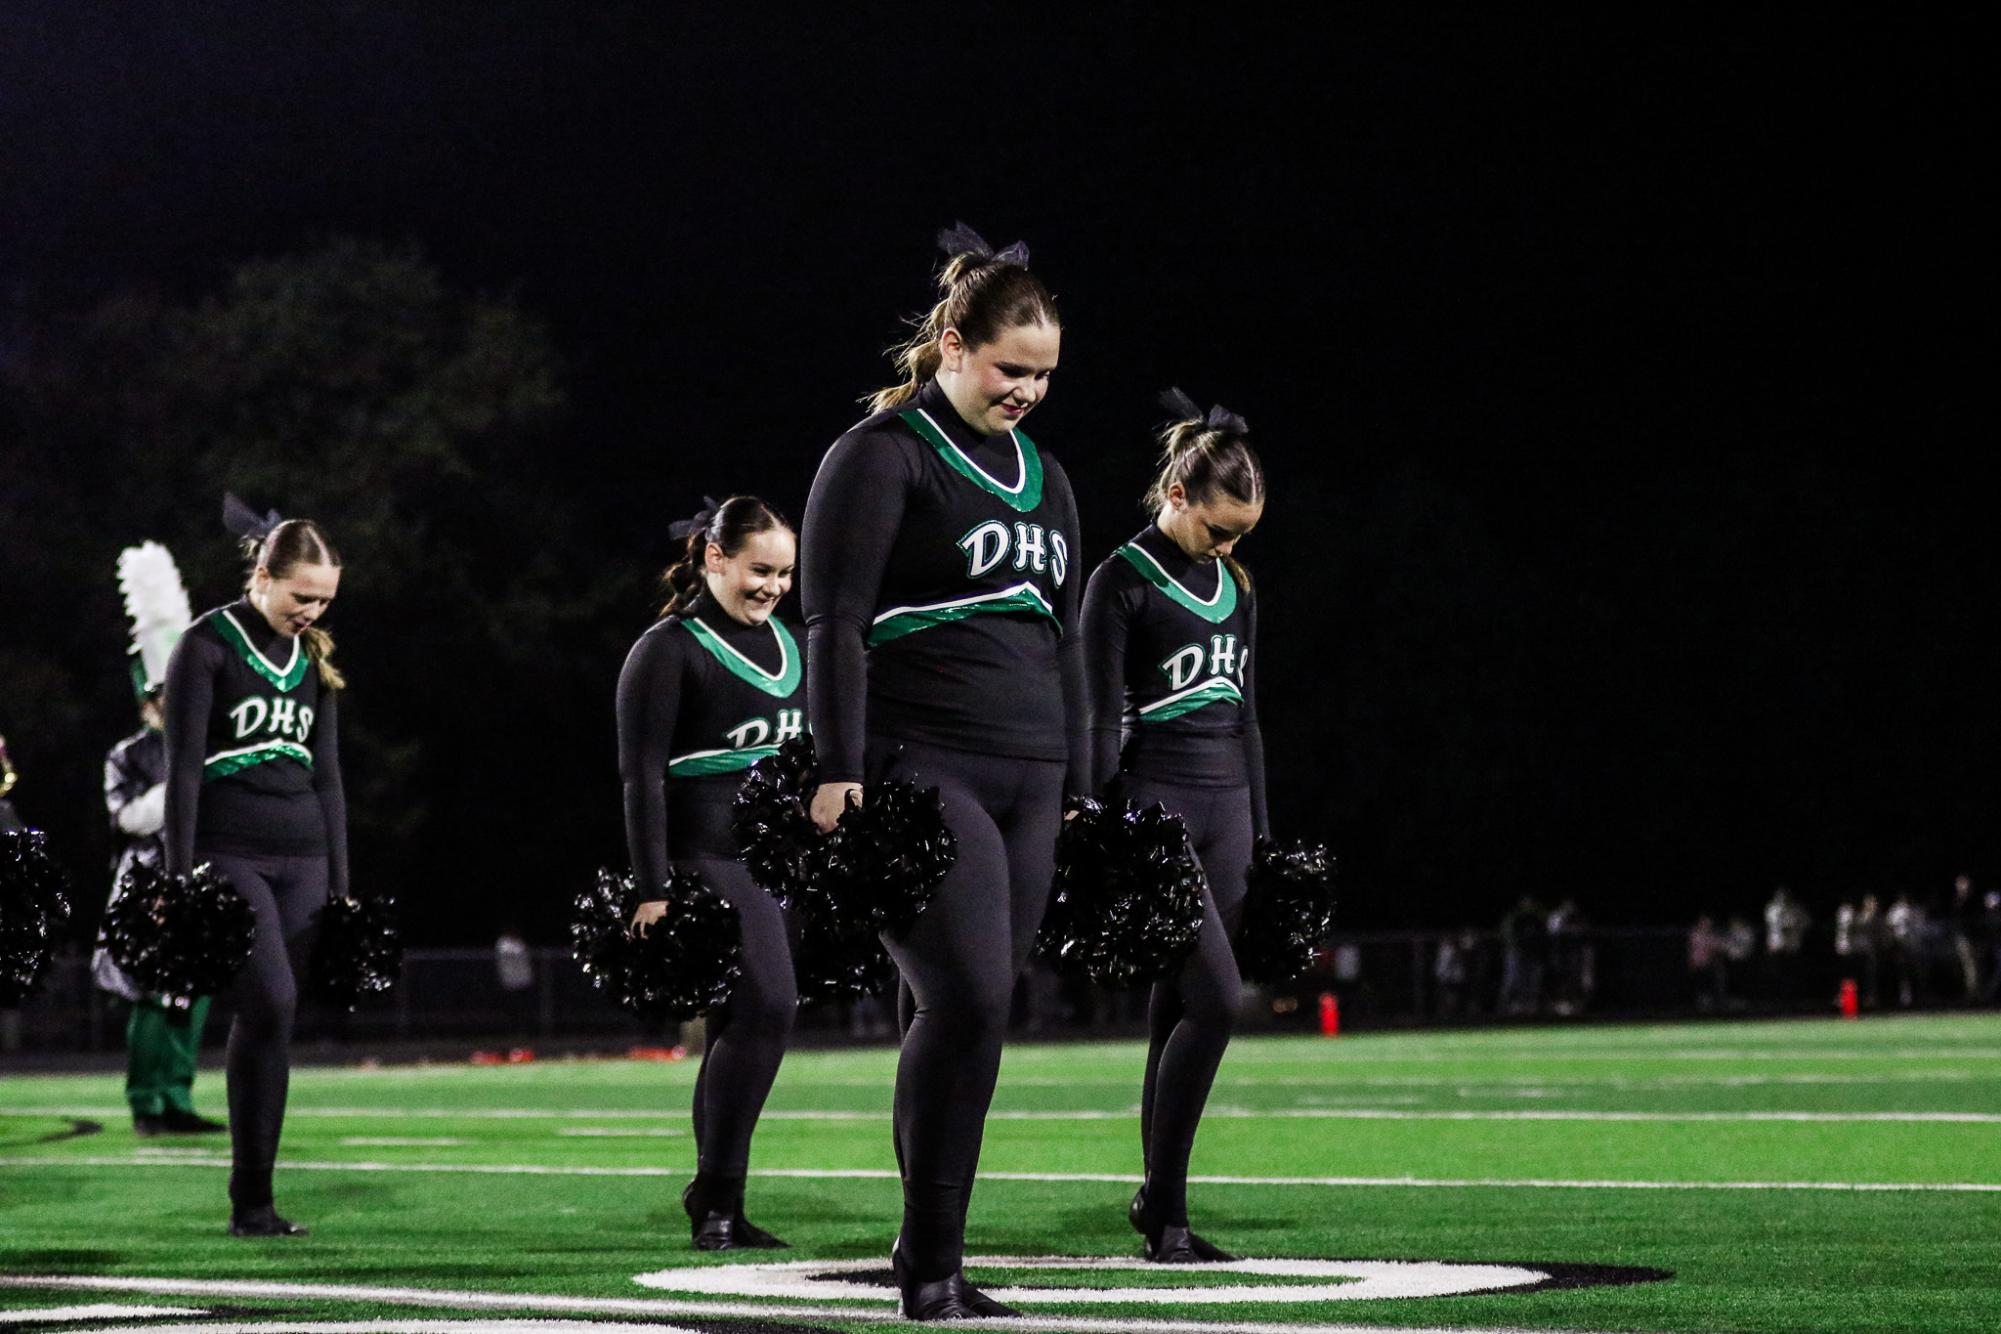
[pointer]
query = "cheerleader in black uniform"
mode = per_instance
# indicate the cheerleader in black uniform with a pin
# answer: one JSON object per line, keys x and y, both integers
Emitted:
{"x": 938, "y": 592}
{"x": 1169, "y": 626}
{"x": 253, "y": 787}
{"x": 710, "y": 689}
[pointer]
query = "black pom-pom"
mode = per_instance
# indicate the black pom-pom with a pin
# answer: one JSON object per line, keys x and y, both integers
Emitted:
{"x": 359, "y": 951}
{"x": 1127, "y": 905}
{"x": 774, "y": 831}
{"x": 183, "y": 935}
{"x": 1288, "y": 910}
{"x": 34, "y": 908}
{"x": 839, "y": 959}
{"x": 886, "y": 857}
{"x": 687, "y": 962}
{"x": 875, "y": 872}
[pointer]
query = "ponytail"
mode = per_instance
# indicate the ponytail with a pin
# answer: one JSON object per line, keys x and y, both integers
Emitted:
{"x": 984, "y": 293}
{"x": 728, "y": 525}
{"x": 278, "y": 546}
{"x": 1210, "y": 456}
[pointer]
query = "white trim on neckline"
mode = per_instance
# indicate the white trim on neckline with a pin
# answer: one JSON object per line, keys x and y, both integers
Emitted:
{"x": 251, "y": 644}
{"x": 1209, "y": 601}
{"x": 784, "y": 658}
{"x": 1020, "y": 459}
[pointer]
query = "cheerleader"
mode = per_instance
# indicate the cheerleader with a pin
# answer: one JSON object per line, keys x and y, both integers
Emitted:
{"x": 709, "y": 689}
{"x": 254, "y": 788}
{"x": 1169, "y": 627}
{"x": 938, "y": 547}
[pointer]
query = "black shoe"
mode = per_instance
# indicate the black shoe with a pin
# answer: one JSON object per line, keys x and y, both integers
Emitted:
{"x": 713, "y": 1230}
{"x": 751, "y": 1237}
{"x": 948, "y": 1298}
{"x": 263, "y": 1221}
{"x": 1171, "y": 1244}
{"x": 178, "y": 1122}
{"x": 148, "y": 1124}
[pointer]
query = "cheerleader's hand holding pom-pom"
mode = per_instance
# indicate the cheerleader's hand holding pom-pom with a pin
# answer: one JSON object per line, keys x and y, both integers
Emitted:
{"x": 877, "y": 870}
{"x": 772, "y": 821}
{"x": 1127, "y": 901}
{"x": 34, "y": 908}
{"x": 675, "y": 956}
{"x": 359, "y": 951}
{"x": 180, "y": 935}
{"x": 1288, "y": 910}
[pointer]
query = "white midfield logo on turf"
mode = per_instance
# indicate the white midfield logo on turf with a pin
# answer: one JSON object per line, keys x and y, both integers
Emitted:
{"x": 1235, "y": 1283}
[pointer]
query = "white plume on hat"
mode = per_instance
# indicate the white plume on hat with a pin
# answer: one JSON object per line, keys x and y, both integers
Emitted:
{"x": 157, "y": 604}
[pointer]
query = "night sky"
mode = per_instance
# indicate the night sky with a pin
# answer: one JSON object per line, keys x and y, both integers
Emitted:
{"x": 1615, "y": 376}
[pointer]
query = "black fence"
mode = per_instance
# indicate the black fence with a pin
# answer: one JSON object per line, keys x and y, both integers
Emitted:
{"x": 1366, "y": 980}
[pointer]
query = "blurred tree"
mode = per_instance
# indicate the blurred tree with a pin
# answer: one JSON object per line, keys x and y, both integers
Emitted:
{"x": 424, "y": 428}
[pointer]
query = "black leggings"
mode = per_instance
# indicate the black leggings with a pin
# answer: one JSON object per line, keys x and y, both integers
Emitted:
{"x": 960, "y": 960}
{"x": 1189, "y": 1015}
{"x": 287, "y": 894}
{"x": 746, "y": 1036}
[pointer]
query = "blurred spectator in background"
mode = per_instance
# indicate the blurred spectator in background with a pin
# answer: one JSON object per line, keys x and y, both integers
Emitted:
{"x": 1452, "y": 969}
{"x": 1572, "y": 959}
{"x": 1785, "y": 939}
{"x": 1858, "y": 938}
{"x": 1525, "y": 946}
{"x": 1904, "y": 938}
{"x": 1709, "y": 964}
{"x": 10, "y": 1018}
{"x": 1990, "y": 945}
{"x": 1962, "y": 919}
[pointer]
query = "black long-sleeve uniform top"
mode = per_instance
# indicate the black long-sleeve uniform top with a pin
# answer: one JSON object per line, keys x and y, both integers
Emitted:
{"x": 702, "y": 698}
{"x": 253, "y": 747}
{"x": 939, "y": 588}
{"x": 1168, "y": 642}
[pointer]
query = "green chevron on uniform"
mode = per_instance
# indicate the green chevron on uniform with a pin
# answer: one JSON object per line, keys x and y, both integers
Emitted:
{"x": 236, "y": 761}
{"x": 705, "y": 762}
{"x": 1214, "y": 691}
{"x": 1024, "y": 497}
{"x": 286, "y": 677}
{"x": 782, "y": 683}
{"x": 1216, "y": 610}
{"x": 901, "y": 621}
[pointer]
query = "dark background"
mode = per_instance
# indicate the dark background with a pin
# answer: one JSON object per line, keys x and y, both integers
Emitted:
{"x": 1615, "y": 376}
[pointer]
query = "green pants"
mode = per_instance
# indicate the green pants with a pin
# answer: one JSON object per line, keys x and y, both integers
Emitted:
{"x": 160, "y": 1049}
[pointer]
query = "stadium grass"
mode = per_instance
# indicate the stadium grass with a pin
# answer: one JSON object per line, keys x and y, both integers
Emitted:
{"x": 1379, "y": 1108}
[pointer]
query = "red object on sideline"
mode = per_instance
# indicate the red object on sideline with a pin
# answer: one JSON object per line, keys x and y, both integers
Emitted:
{"x": 1850, "y": 1008}
{"x": 1330, "y": 1015}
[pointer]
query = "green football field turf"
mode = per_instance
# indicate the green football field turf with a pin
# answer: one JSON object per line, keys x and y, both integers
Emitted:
{"x": 1804, "y": 1176}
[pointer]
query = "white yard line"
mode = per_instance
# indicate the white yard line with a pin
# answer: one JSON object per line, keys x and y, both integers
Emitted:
{"x": 1217, "y": 1113}
{"x": 884, "y": 1174}
{"x": 238, "y": 1289}
{"x": 62, "y": 1315}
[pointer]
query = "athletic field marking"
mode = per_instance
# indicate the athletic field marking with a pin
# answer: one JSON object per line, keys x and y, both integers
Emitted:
{"x": 415, "y": 1325}
{"x": 56, "y": 1315}
{"x": 617, "y": 1132}
{"x": 657, "y": 1307}
{"x": 1122, "y": 1178}
{"x": 1340, "y": 1280}
{"x": 1217, "y": 1113}
{"x": 399, "y": 1142}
